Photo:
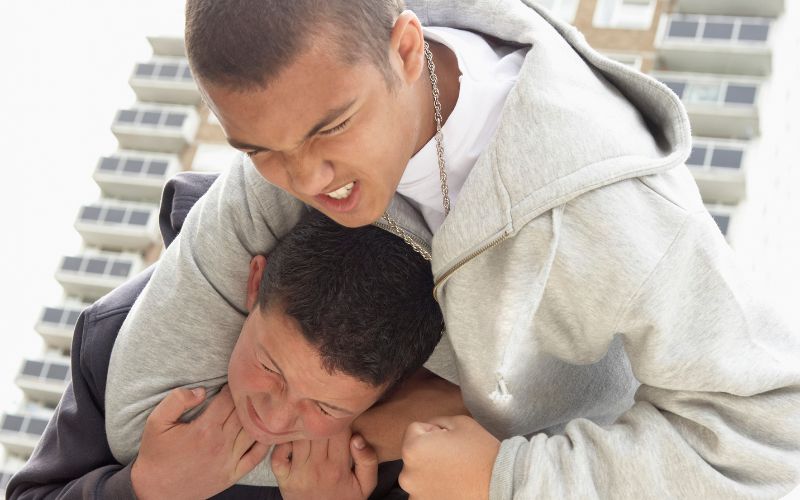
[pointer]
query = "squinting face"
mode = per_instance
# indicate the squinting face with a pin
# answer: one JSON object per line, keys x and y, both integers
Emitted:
{"x": 332, "y": 135}
{"x": 280, "y": 389}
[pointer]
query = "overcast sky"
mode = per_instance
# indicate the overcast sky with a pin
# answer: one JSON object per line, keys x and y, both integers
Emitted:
{"x": 65, "y": 69}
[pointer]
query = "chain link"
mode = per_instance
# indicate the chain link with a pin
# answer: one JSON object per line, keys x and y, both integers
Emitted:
{"x": 439, "y": 137}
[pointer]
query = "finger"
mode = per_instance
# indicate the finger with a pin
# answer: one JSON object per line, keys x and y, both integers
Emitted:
{"x": 281, "y": 461}
{"x": 242, "y": 443}
{"x": 232, "y": 425}
{"x": 365, "y": 464}
{"x": 177, "y": 402}
{"x": 416, "y": 429}
{"x": 219, "y": 409}
{"x": 301, "y": 450}
{"x": 250, "y": 459}
{"x": 449, "y": 423}
{"x": 339, "y": 448}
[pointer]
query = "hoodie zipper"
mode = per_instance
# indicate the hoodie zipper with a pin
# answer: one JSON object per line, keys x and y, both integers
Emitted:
{"x": 466, "y": 259}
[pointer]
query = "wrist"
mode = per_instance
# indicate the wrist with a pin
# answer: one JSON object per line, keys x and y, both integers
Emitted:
{"x": 140, "y": 482}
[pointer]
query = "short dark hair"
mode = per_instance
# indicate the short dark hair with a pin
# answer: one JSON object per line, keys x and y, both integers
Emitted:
{"x": 361, "y": 296}
{"x": 245, "y": 44}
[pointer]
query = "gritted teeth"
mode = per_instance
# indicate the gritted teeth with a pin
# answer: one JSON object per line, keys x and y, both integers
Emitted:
{"x": 342, "y": 193}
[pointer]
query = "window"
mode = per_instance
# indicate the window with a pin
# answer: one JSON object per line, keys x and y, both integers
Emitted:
{"x": 34, "y": 426}
{"x": 151, "y": 118}
{"x": 715, "y": 92}
{"x": 744, "y": 30}
{"x": 12, "y": 423}
{"x": 114, "y": 215}
{"x": 723, "y": 221}
{"x": 727, "y": 158}
{"x": 177, "y": 70}
{"x": 717, "y": 154}
{"x": 101, "y": 265}
{"x": 133, "y": 166}
{"x": 48, "y": 370}
{"x": 740, "y": 94}
{"x": 61, "y": 317}
{"x": 624, "y": 14}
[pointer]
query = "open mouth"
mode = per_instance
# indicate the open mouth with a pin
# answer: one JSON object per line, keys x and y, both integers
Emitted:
{"x": 343, "y": 192}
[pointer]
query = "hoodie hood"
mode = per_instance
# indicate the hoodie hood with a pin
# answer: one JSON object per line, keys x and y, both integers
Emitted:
{"x": 575, "y": 121}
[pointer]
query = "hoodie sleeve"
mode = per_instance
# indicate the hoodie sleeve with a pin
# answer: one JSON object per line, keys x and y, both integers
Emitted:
{"x": 717, "y": 414}
{"x": 201, "y": 275}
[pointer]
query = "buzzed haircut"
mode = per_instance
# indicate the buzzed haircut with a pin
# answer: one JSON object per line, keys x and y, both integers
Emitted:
{"x": 244, "y": 44}
{"x": 361, "y": 296}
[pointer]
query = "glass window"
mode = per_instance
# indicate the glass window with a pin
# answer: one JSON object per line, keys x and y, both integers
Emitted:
{"x": 109, "y": 164}
{"x": 168, "y": 71}
{"x": 57, "y": 372}
{"x": 741, "y": 94}
{"x": 175, "y": 119}
{"x": 139, "y": 218}
{"x": 133, "y": 166}
{"x": 726, "y": 157}
{"x": 126, "y": 116}
{"x": 145, "y": 69}
{"x": 114, "y": 215}
{"x": 121, "y": 269}
{"x": 32, "y": 368}
{"x": 683, "y": 29}
{"x": 718, "y": 31}
{"x": 187, "y": 73}
{"x": 151, "y": 118}
{"x": 52, "y": 315}
{"x": 703, "y": 93}
{"x": 71, "y": 264}
{"x": 12, "y": 423}
{"x": 72, "y": 318}
{"x": 36, "y": 426}
{"x": 723, "y": 221}
{"x": 157, "y": 167}
{"x": 90, "y": 213}
{"x": 677, "y": 87}
{"x": 754, "y": 32}
{"x": 698, "y": 156}
{"x": 96, "y": 266}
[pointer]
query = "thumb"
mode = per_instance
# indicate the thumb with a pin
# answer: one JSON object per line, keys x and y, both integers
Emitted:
{"x": 282, "y": 461}
{"x": 178, "y": 401}
{"x": 365, "y": 464}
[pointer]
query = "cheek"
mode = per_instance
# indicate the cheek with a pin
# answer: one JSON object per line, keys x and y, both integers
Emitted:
{"x": 319, "y": 427}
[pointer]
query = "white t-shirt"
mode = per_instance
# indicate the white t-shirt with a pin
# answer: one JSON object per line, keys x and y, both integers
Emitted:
{"x": 487, "y": 75}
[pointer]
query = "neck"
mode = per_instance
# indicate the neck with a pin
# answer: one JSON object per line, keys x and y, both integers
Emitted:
{"x": 447, "y": 73}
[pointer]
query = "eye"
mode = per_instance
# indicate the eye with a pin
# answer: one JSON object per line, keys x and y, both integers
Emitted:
{"x": 337, "y": 128}
{"x": 323, "y": 411}
{"x": 267, "y": 368}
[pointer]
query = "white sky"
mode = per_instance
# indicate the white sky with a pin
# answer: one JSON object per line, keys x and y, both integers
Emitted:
{"x": 65, "y": 68}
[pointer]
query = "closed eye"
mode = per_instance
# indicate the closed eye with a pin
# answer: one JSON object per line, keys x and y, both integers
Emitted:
{"x": 336, "y": 129}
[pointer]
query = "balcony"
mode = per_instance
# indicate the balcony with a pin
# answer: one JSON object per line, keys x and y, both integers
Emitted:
{"x": 167, "y": 45}
{"x": 44, "y": 381}
{"x": 57, "y": 324}
{"x": 166, "y": 80}
{"x": 714, "y": 44}
{"x": 717, "y": 166}
{"x": 722, "y": 215}
{"x": 92, "y": 275}
{"x": 116, "y": 225}
{"x": 131, "y": 175}
{"x": 19, "y": 432}
{"x": 757, "y": 8}
{"x": 718, "y": 106}
{"x": 167, "y": 129}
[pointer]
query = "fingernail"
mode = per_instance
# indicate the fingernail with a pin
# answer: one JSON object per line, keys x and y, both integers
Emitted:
{"x": 358, "y": 442}
{"x": 197, "y": 391}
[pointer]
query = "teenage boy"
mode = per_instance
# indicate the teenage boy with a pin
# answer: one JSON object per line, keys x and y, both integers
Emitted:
{"x": 304, "y": 341}
{"x": 595, "y": 321}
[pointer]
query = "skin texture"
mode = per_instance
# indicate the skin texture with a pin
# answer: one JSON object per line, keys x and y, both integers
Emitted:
{"x": 369, "y": 139}
{"x": 276, "y": 374}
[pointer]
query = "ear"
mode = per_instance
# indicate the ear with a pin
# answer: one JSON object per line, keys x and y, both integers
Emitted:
{"x": 407, "y": 47}
{"x": 257, "y": 266}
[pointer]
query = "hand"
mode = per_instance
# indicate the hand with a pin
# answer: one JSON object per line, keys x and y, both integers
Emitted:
{"x": 321, "y": 469}
{"x": 420, "y": 398}
{"x": 448, "y": 458}
{"x": 197, "y": 459}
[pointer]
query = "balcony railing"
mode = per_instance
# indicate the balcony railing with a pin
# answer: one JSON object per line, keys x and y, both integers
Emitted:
{"x": 131, "y": 175}
{"x": 718, "y": 168}
{"x": 167, "y": 80}
{"x": 44, "y": 380}
{"x": 118, "y": 225}
{"x": 91, "y": 276}
{"x": 718, "y": 106}
{"x": 715, "y": 44}
{"x": 20, "y": 432}
{"x": 166, "y": 129}
{"x": 57, "y": 324}
{"x": 167, "y": 45}
{"x": 756, "y": 8}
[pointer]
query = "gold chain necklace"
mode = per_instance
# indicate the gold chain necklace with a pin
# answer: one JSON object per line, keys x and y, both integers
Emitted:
{"x": 437, "y": 115}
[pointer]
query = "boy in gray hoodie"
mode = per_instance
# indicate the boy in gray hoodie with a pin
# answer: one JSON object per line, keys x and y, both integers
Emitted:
{"x": 596, "y": 323}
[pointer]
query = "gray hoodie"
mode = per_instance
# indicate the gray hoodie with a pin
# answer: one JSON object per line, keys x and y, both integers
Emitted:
{"x": 596, "y": 322}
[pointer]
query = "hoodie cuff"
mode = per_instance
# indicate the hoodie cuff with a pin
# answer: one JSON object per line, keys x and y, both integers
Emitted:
{"x": 502, "y": 485}
{"x": 119, "y": 485}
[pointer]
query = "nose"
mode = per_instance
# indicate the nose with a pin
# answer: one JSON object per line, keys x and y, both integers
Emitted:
{"x": 281, "y": 417}
{"x": 309, "y": 174}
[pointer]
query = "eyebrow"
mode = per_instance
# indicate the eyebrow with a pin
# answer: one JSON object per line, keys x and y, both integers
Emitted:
{"x": 327, "y": 120}
{"x": 323, "y": 403}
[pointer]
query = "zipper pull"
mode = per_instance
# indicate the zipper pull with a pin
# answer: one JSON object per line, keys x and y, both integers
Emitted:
{"x": 501, "y": 394}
